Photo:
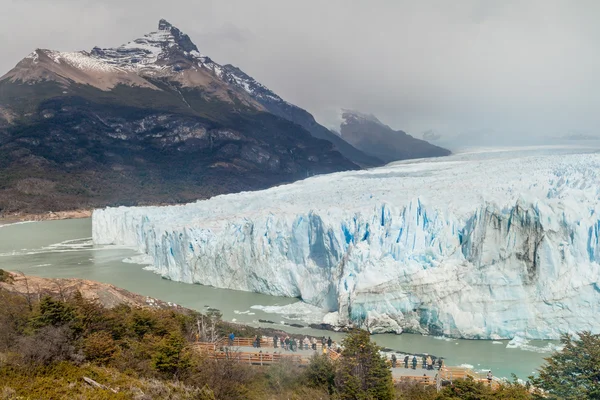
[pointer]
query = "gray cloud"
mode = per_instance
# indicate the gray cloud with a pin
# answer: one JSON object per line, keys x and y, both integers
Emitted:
{"x": 504, "y": 69}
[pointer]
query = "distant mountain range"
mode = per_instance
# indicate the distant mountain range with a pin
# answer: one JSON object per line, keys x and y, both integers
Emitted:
{"x": 368, "y": 134}
{"x": 151, "y": 121}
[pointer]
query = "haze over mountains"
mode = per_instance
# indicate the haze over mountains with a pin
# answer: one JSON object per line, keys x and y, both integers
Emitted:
{"x": 150, "y": 121}
{"x": 368, "y": 134}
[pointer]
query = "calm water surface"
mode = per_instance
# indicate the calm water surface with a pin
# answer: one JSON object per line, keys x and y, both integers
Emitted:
{"x": 63, "y": 249}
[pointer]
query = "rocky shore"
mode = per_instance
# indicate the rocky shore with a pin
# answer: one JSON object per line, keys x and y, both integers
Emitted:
{"x": 107, "y": 295}
{"x": 47, "y": 216}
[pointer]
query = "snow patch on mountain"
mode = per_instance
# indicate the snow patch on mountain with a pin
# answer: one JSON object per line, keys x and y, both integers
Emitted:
{"x": 81, "y": 60}
{"x": 352, "y": 116}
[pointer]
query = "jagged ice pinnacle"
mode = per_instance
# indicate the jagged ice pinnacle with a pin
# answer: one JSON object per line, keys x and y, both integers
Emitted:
{"x": 482, "y": 245}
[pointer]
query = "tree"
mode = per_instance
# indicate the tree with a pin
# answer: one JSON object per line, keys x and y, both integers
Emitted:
{"x": 320, "y": 373}
{"x": 573, "y": 372}
{"x": 53, "y": 312}
{"x": 362, "y": 372}
{"x": 99, "y": 347}
{"x": 143, "y": 321}
{"x": 170, "y": 357}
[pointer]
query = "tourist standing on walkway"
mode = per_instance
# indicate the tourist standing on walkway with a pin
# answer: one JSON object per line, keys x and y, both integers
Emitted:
{"x": 490, "y": 377}
{"x": 329, "y": 341}
{"x": 314, "y": 343}
{"x": 429, "y": 362}
{"x": 394, "y": 360}
{"x": 406, "y": 358}
{"x": 414, "y": 362}
{"x": 282, "y": 342}
{"x": 440, "y": 363}
{"x": 231, "y": 338}
{"x": 306, "y": 342}
{"x": 287, "y": 343}
{"x": 275, "y": 340}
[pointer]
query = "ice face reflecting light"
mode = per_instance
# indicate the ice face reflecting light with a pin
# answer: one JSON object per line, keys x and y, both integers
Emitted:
{"x": 491, "y": 244}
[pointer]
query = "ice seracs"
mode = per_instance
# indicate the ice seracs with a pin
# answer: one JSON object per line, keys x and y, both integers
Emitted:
{"x": 487, "y": 245}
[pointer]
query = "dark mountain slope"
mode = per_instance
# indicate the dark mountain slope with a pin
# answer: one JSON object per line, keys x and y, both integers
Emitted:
{"x": 368, "y": 134}
{"x": 276, "y": 105}
{"x": 151, "y": 121}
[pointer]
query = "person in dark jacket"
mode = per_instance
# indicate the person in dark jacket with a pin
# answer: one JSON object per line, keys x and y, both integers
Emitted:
{"x": 275, "y": 341}
{"x": 406, "y": 358}
{"x": 329, "y": 341}
{"x": 394, "y": 360}
{"x": 414, "y": 362}
{"x": 287, "y": 343}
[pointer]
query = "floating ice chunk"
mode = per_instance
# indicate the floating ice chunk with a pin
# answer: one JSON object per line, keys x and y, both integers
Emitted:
{"x": 142, "y": 259}
{"x": 298, "y": 311}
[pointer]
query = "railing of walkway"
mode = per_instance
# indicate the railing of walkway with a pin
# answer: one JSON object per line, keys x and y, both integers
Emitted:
{"x": 222, "y": 349}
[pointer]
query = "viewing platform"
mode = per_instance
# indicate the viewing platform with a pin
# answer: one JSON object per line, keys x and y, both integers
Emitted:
{"x": 243, "y": 350}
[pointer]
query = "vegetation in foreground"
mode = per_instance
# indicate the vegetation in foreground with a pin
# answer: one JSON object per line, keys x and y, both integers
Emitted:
{"x": 49, "y": 347}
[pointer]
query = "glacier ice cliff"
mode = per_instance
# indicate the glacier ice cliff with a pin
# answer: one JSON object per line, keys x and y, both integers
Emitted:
{"x": 484, "y": 245}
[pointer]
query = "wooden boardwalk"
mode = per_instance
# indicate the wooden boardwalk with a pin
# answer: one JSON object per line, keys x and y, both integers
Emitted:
{"x": 243, "y": 350}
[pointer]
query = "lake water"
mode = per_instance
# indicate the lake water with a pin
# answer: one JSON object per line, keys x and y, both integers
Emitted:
{"x": 64, "y": 249}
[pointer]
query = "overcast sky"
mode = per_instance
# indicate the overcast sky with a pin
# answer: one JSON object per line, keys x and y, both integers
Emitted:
{"x": 504, "y": 69}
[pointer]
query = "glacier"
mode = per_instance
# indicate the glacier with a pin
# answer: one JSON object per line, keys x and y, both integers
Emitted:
{"x": 485, "y": 245}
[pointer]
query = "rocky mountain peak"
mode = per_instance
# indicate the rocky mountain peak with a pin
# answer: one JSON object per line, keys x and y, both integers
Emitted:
{"x": 353, "y": 116}
{"x": 164, "y": 25}
{"x": 367, "y": 133}
{"x": 179, "y": 37}
{"x": 151, "y": 52}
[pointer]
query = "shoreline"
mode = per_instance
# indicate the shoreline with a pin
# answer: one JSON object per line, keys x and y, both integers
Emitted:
{"x": 6, "y": 219}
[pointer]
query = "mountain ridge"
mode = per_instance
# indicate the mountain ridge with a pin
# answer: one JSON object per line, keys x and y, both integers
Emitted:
{"x": 368, "y": 134}
{"x": 151, "y": 121}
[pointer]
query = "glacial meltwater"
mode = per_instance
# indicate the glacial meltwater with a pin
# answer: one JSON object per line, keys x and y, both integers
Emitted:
{"x": 64, "y": 249}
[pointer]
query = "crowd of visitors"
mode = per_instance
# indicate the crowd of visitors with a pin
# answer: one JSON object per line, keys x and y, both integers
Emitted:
{"x": 292, "y": 344}
{"x": 287, "y": 343}
{"x": 413, "y": 361}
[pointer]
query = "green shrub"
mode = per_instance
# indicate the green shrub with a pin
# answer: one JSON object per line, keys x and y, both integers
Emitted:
{"x": 170, "y": 358}
{"x": 320, "y": 373}
{"x": 100, "y": 347}
{"x": 6, "y": 276}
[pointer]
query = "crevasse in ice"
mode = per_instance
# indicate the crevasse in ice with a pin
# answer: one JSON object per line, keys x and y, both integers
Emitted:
{"x": 480, "y": 245}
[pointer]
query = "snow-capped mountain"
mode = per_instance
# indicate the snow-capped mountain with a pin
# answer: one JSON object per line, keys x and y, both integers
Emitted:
{"x": 165, "y": 54}
{"x": 484, "y": 245}
{"x": 370, "y": 135}
{"x": 169, "y": 54}
{"x": 152, "y": 120}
